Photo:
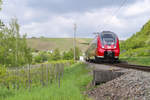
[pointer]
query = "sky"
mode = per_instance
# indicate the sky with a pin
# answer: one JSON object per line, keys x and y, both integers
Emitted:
{"x": 56, "y": 18}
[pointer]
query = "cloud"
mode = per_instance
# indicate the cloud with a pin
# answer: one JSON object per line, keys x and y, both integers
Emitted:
{"x": 67, "y": 6}
{"x": 140, "y": 7}
{"x": 55, "y": 18}
{"x": 54, "y": 27}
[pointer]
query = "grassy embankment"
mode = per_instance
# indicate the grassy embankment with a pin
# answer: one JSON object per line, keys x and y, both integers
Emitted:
{"x": 72, "y": 85}
{"x": 136, "y": 49}
{"x": 137, "y": 60}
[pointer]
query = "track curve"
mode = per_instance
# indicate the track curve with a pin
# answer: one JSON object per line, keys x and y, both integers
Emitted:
{"x": 129, "y": 66}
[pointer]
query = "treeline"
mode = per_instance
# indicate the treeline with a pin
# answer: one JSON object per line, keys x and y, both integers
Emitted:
{"x": 13, "y": 47}
{"x": 56, "y": 55}
{"x": 14, "y": 51}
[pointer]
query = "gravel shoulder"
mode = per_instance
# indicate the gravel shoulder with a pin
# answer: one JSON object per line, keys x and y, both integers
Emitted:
{"x": 133, "y": 85}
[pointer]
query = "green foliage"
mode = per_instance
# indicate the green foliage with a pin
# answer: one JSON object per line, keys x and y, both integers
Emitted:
{"x": 73, "y": 84}
{"x": 137, "y": 45}
{"x": 78, "y": 53}
{"x": 13, "y": 46}
{"x": 38, "y": 59}
{"x": 41, "y": 57}
{"x": 0, "y": 4}
{"x": 140, "y": 52}
{"x": 138, "y": 60}
{"x": 56, "y": 55}
{"x": 2, "y": 70}
{"x": 70, "y": 54}
{"x": 8, "y": 77}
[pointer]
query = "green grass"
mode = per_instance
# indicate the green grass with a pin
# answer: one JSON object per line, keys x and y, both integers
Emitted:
{"x": 72, "y": 85}
{"x": 62, "y": 43}
{"x": 137, "y": 60}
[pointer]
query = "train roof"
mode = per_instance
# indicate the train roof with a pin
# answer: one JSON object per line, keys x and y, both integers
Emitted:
{"x": 108, "y": 32}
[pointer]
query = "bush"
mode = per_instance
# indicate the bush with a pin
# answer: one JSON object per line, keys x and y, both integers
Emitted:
{"x": 2, "y": 72}
{"x": 41, "y": 57}
{"x": 70, "y": 54}
{"x": 136, "y": 52}
{"x": 56, "y": 55}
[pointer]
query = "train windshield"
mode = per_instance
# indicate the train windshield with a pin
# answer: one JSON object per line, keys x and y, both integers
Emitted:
{"x": 108, "y": 39}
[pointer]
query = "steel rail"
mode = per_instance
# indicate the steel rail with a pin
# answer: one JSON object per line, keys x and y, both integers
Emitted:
{"x": 126, "y": 65}
{"x": 131, "y": 66}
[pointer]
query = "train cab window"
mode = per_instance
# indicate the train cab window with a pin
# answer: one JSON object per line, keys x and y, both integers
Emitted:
{"x": 108, "y": 39}
{"x": 107, "y": 36}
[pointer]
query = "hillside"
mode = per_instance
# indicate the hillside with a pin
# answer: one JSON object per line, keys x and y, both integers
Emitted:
{"x": 138, "y": 44}
{"x": 62, "y": 43}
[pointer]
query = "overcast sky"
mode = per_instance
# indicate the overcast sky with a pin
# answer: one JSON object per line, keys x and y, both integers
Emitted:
{"x": 55, "y": 18}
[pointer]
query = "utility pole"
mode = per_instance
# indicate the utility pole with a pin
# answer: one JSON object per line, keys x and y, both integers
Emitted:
{"x": 74, "y": 41}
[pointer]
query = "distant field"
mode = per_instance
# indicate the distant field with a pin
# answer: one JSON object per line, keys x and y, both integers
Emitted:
{"x": 62, "y": 43}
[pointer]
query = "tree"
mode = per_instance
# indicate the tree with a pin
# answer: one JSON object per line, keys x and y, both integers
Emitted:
{"x": 37, "y": 59}
{"x": 68, "y": 55}
{"x": 56, "y": 55}
{"x": 41, "y": 57}
{"x": 13, "y": 47}
{"x": 0, "y": 4}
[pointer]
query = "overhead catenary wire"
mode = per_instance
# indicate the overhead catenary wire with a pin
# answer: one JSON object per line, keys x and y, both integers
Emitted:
{"x": 113, "y": 14}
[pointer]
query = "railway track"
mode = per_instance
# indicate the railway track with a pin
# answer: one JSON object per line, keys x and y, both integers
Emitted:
{"x": 130, "y": 66}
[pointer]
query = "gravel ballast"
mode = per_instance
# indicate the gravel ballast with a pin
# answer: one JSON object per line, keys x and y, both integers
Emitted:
{"x": 133, "y": 85}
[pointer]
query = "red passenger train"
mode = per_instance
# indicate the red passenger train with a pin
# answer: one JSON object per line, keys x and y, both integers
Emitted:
{"x": 105, "y": 47}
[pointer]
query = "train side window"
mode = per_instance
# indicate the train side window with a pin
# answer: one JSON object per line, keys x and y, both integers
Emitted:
{"x": 95, "y": 42}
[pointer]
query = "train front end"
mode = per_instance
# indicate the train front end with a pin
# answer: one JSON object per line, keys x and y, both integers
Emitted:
{"x": 107, "y": 46}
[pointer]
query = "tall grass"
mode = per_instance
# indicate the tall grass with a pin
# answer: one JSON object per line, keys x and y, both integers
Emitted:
{"x": 72, "y": 85}
{"x": 137, "y": 60}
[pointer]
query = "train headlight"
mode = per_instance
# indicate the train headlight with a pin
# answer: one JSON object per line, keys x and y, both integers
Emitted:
{"x": 115, "y": 46}
{"x": 102, "y": 46}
